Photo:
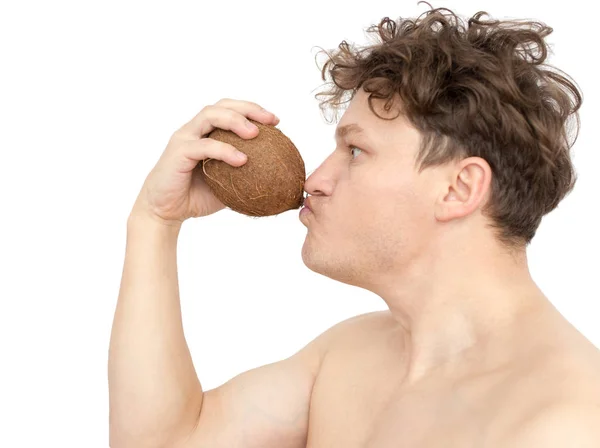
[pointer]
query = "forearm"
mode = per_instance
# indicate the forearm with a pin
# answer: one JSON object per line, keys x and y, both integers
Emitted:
{"x": 153, "y": 388}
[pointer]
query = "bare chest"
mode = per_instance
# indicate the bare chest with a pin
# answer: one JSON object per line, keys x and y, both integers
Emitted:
{"x": 361, "y": 399}
{"x": 364, "y": 416}
{"x": 363, "y": 404}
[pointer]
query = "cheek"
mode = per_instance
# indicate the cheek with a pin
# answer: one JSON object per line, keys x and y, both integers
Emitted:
{"x": 382, "y": 203}
{"x": 397, "y": 212}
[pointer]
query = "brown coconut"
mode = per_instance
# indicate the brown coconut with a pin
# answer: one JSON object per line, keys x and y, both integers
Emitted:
{"x": 270, "y": 182}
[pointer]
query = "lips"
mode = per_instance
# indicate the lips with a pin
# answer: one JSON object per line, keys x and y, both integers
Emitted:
{"x": 307, "y": 203}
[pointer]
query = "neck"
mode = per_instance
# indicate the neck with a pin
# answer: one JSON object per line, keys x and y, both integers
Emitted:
{"x": 451, "y": 304}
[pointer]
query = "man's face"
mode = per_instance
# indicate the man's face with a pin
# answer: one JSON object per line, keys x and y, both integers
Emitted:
{"x": 372, "y": 212}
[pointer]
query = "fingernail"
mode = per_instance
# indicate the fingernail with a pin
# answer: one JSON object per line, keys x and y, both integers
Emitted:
{"x": 250, "y": 125}
{"x": 267, "y": 112}
{"x": 240, "y": 155}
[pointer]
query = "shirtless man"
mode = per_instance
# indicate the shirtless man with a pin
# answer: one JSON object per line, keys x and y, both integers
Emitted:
{"x": 470, "y": 353}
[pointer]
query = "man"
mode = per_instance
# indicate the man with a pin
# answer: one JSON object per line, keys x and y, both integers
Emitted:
{"x": 429, "y": 201}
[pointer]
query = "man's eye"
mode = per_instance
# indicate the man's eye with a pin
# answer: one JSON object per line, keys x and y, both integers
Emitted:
{"x": 354, "y": 147}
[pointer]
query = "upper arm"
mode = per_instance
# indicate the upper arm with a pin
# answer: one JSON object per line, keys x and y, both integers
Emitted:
{"x": 265, "y": 407}
{"x": 560, "y": 426}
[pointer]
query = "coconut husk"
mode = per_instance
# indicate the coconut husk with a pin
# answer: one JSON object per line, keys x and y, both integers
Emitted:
{"x": 270, "y": 182}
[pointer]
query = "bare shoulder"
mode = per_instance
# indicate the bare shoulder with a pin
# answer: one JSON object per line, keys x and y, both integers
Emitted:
{"x": 566, "y": 371}
{"x": 562, "y": 389}
{"x": 558, "y": 425}
{"x": 361, "y": 329}
{"x": 368, "y": 321}
{"x": 573, "y": 365}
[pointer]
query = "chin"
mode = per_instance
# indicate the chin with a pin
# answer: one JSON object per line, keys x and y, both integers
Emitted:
{"x": 322, "y": 262}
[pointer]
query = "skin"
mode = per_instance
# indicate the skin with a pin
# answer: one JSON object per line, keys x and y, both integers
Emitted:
{"x": 470, "y": 352}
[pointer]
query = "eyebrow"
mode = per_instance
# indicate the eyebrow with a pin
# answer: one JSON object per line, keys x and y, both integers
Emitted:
{"x": 347, "y": 129}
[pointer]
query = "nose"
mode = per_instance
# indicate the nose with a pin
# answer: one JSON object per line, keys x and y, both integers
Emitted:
{"x": 320, "y": 182}
{"x": 315, "y": 184}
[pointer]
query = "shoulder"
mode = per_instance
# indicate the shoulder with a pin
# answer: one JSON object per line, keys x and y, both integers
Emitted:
{"x": 352, "y": 327}
{"x": 559, "y": 365}
{"x": 363, "y": 322}
{"x": 559, "y": 425}
{"x": 355, "y": 331}
{"x": 362, "y": 325}
{"x": 564, "y": 387}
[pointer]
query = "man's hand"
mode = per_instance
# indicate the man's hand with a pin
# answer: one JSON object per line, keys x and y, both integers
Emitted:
{"x": 174, "y": 190}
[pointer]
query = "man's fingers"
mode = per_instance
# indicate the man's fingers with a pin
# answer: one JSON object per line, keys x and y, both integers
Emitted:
{"x": 255, "y": 111}
{"x": 193, "y": 151}
{"x": 226, "y": 114}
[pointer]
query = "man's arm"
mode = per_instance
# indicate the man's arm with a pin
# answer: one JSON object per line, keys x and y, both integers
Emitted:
{"x": 559, "y": 426}
{"x": 156, "y": 399}
{"x": 268, "y": 407}
{"x": 154, "y": 391}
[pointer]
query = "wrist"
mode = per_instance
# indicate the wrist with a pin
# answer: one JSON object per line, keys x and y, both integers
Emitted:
{"x": 142, "y": 218}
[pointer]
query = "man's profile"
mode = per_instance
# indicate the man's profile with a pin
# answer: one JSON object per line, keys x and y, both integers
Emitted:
{"x": 454, "y": 145}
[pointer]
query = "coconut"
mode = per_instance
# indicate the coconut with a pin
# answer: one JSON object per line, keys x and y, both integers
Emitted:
{"x": 270, "y": 182}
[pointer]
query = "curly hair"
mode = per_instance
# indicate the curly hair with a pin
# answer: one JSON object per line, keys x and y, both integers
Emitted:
{"x": 475, "y": 89}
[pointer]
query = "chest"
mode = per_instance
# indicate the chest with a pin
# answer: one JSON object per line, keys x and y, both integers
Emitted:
{"x": 363, "y": 405}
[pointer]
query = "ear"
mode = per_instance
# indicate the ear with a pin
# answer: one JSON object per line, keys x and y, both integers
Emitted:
{"x": 467, "y": 189}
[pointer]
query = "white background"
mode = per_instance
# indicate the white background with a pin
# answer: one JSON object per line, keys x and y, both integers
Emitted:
{"x": 90, "y": 93}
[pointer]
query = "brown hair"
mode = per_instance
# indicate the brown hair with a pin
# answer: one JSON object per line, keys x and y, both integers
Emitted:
{"x": 479, "y": 89}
